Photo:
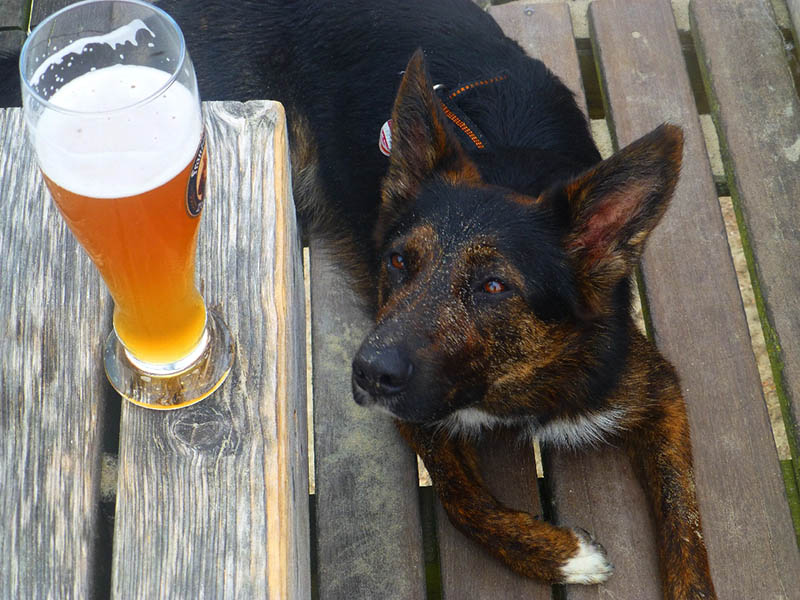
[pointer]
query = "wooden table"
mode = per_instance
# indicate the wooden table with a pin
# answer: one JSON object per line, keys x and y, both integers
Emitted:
{"x": 212, "y": 500}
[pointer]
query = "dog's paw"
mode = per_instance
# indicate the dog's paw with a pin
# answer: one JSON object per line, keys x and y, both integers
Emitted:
{"x": 589, "y": 564}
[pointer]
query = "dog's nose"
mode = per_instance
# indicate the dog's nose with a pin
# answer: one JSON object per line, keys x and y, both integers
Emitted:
{"x": 382, "y": 372}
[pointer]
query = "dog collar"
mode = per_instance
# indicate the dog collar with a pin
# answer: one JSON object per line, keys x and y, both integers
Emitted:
{"x": 451, "y": 109}
{"x": 385, "y": 138}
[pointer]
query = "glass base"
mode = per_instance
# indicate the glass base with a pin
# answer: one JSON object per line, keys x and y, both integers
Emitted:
{"x": 166, "y": 387}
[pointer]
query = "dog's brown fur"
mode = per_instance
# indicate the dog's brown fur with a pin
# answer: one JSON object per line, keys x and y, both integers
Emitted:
{"x": 532, "y": 370}
{"x": 502, "y": 269}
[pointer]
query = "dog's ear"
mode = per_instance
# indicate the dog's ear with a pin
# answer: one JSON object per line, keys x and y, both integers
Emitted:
{"x": 613, "y": 207}
{"x": 421, "y": 141}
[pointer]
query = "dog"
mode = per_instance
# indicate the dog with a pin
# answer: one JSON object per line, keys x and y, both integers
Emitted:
{"x": 456, "y": 178}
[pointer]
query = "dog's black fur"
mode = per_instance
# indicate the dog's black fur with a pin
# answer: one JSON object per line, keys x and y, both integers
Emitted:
{"x": 501, "y": 271}
{"x": 498, "y": 275}
{"x": 338, "y": 65}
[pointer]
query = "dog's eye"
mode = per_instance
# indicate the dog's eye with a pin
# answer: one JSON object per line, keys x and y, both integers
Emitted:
{"x": 493, "y": 286}
{"x": 397, "y": 261}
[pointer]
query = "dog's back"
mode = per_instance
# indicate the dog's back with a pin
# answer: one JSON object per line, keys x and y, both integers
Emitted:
{"x": 336, "y": 66}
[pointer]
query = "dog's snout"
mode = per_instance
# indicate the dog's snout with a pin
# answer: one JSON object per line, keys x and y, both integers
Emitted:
{"x": 382, "y": 372}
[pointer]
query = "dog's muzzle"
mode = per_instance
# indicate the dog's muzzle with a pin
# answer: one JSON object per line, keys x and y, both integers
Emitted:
{"x": 380, "y": 373}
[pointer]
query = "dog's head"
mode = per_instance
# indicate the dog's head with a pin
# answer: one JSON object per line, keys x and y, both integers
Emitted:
{"x": 487, "y": 297}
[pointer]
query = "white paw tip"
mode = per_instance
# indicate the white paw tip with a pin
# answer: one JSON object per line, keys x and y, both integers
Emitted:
{"x": 589, "y": 565}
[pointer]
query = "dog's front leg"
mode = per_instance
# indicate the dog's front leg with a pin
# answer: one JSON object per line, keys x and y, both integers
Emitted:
{"x": 528, "y": 546}
{"x": 661, "y": 453}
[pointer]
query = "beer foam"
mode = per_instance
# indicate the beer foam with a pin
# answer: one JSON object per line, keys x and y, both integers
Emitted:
{"x": 109, "y": 153}
{"x": 118, "y": 37}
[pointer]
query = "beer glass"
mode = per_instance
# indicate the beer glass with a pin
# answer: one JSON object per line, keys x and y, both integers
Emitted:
{"x": 111, "y": 106}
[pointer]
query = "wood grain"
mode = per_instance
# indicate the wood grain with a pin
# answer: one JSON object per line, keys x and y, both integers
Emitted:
{"x": 213, "y": 499}
{"x": 696, "y": 312}
{"x": 368, "y": 526}
{"x": 508, "y": 466}
{"x": 757, "y": 114}
{"x": 52, "y": 386}
{"x": 544, "y": 31}
{"x": 14, "y": 13}
{"x": 594, "y": 490}
{"x": 467, "y": 570}
{"x": 597, "y": 490}
{"x": 41, "y": 9}
{"x": 10, "y": 45}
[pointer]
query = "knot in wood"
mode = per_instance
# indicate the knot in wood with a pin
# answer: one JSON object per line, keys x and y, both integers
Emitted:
{"x": 204, "y": 428}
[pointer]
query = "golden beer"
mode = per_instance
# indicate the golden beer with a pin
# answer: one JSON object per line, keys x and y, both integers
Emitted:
{"x": 143, "y": 246}
{"x": 117, "y": 181}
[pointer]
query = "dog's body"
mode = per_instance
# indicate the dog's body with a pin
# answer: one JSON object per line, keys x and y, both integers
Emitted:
{"x": 499, "y": 245}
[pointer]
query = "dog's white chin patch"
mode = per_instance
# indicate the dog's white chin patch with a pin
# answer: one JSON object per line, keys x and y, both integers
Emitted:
{"x": 471, "y": 422}
{"x": 589, "y": 565}
{"x": 589, "y": 429}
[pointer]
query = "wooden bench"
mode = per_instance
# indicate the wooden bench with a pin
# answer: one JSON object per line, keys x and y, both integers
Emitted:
{"x": 367, "y": 515}
{"x": 212, "y": 502}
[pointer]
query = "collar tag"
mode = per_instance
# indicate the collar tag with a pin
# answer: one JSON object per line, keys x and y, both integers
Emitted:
{"x": 385, "y": 139}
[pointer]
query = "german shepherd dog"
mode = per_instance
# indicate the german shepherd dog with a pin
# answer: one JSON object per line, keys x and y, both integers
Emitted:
{"x": 492, "y": 243}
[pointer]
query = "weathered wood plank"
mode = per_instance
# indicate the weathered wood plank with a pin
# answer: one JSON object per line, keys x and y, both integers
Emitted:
{"x": 588, "y": 488}
{"x": 369, "y": 535}
{"x": 41, "y": 9}
{"x": 545, "y": 32}
{"x": 508, "y": 466}
{"x": 757, "y": 114}
{"x": 14, "y": 13}
{"x": 10, "y": 45}
{"x": 51, "y": 384}
{"x": 598, "y": 491}
{"x": 467, "y": 570}
{"x": 213, "y": 499}
{"x": 696, "y": 312}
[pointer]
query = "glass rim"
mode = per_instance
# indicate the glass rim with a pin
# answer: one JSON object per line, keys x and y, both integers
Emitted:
{"x": 50, "y": 106}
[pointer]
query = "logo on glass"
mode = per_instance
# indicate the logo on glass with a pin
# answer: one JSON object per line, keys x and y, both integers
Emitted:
{"x": 196, "y": 188}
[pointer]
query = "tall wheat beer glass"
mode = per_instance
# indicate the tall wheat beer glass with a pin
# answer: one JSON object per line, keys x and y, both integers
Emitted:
{"x": 111, "y": 106}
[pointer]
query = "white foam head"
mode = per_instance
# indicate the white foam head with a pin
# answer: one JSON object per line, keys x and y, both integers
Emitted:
{"x": 112, "y": 152}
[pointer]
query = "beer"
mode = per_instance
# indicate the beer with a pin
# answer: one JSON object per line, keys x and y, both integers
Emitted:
{"x": 110, "y": 100}
{"x": 126, "y": 181}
